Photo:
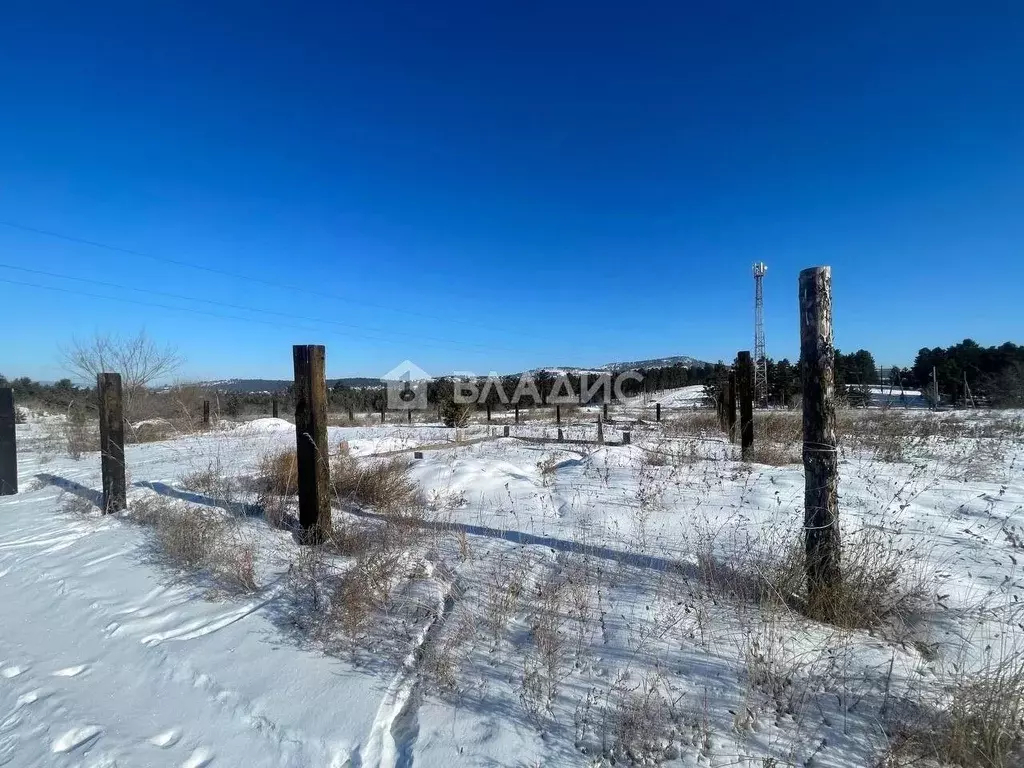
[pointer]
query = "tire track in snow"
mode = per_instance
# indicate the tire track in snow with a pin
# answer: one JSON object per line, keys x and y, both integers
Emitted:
{"x": 395, "y": 726}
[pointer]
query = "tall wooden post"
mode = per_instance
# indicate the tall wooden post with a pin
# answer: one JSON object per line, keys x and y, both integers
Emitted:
{"x": 488, "y": 413}
{"x": 383, "y": 413}
{"x": 206, "y": 413}
{"x": 604, "y": 411}
{"x": 8, "y": 444}
{"x": 730, "y": 407}
{"x": 115, "y": 487}
{"x": 821, "y": 465}
{"x": 558, "y": 414}
{"x": 351, "y": 416}
{"x": 600, "y": 432}
{"x": 409, "y": 415}
{"x": 746, "y": 387}
{"x": 273, "y": 406}
{"x": 657, "y": 411}
{"x": 626, "y": 438}
{"x": 517, "y": 413}
{"x": 314, "y": 474}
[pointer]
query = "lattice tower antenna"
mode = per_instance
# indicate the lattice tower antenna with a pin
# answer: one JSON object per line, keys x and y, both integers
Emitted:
{"x": 760, "y": 359}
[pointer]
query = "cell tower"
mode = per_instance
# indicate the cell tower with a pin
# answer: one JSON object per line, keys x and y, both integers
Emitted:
{"x": 760, "y": 359}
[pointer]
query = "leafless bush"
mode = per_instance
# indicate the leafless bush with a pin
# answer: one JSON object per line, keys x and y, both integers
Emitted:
{"x": 504, "y": 592}
{"x": 150, "y": 431}
{"x": 278, "y": 474}
{"x": 211, "y": 482}
{"x": 137, "y": 358}
{"x": 73, "y": 434}
{"x": 773, "y": 454}
{"x": 380, "y": 483}
{"x": 189, "y": 539}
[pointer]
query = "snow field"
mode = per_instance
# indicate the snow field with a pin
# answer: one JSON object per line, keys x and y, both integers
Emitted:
{"x": 554, "y": 605}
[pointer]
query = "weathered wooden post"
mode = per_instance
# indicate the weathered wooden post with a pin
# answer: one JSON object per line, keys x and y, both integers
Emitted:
{"x": 657, "y": 411}
{"x": 626, "y": 438}
{"x": 314, "y": 473}
{"x": 746, "y": 387}
{"x": 206, "y": 413}
{"x": 604, "y": 411}
{"x": 506, "y": 432}
{"x": 383, "y": 413}
{"x": 730, "y": 407}
{"x": 488, "y": 413}
{"x": 561, "y": 437}
{"x": 558, "y": 414}
{"x": 351, "y": 416}
{"x": 821, "y": 465}
{"x": 8, "y": 444}
{"x": 112, "y": 469}
{"x": 517, "y": 413}
{"x": 409, "y": 415}
{"x": 273, "y": 406}
{"x": 600, "y": 432}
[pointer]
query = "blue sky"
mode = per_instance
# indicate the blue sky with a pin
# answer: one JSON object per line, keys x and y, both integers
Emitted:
{"x": 494, "y": 186}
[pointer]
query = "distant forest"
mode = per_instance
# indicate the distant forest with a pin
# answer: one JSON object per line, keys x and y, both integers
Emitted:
{"x": 995, "y": 376}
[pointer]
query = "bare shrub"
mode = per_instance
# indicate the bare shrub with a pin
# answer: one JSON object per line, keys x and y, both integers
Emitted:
{"x": 381, "y": 483}
{"x": 138, "y": 359}
{"x": 189, "y": 539}
{"x": 547, "y": 467}
{"x": 74, "y": 434}
{"x": 278, "y": 474}
{"x": 210, "y": 482}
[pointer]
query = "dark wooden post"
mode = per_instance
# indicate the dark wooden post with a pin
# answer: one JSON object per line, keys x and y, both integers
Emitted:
{"x": 383, "y": 414}
{"x": 409, "y": 415}
{"x": 560, "y": 436}
{"x": 273, "y": 406}
{"x": 746, "y": 387}
{"x": 626, "y": 438}
{"x": 115, "y": 487}
{"x": 351, "y": 416}
{"x": 506, "y": 431}
{"x": 821, "y": 466}
{"x": 8, "y": 444}
{"x": 604, "y": 411}
{"x": 657, "y": 411}
{"x": 730, "y": 407}
{"x": 206, "y": 413}
{"x": 600, "y": 432}
{"x": 517, "y": 413}
{"x": 314, "y": 473}
{"x": 488, "y": 413}
{"x": 558, "y": 414}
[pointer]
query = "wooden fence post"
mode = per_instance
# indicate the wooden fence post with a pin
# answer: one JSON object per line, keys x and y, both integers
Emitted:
{"x": 383, "y": 414}
{"x": 488, "y": 413}
{"x": 8, "y": 444}
{"x": 626, "y": 438}
{"x": 730, "y": 407}
{"x": 657, "y": 411}
{"x": 821, "y": 466}
{"x": 517, "y": 413}
{"x": 115, "y": 487}
{"x": 604, "y": 411}
{"x": 206, "y": 413}
{"x": 561, "y": 437}
{"x": 600, "y": 431}
{"x": 558, "y": 414}
{"x": 506, "y": 434}
{"x": 351, "y": 416}
{"x": 746, "y": 387}
{"x": 314, "y": 473}
{"x": 409, "y": 415}
{"x": 273, "y": 406}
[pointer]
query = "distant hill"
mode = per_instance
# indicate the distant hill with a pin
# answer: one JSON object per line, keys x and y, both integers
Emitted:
{"x": 276, "y": 385}
{"x": 660, "y": 362}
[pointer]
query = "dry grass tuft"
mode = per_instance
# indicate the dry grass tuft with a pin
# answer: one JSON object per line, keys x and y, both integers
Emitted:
{"x": 380, "y": 483}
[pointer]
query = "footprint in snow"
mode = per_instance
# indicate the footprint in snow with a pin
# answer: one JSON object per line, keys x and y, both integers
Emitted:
{"x": 199, "y": 758}
{"x": 167, "y": 739}
{"x": 75, "y": 738}
{"x": 74, "y": 671}
{"x": 11, "y": 671}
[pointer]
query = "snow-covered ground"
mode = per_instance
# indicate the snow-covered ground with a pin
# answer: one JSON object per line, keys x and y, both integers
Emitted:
{"x": 565, "y": 605}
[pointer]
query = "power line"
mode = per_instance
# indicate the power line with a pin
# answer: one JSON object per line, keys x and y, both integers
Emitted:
{"x": 243, "y": 307}
{"x": 192, "y": 310}
{"x": 233, "y": 275}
